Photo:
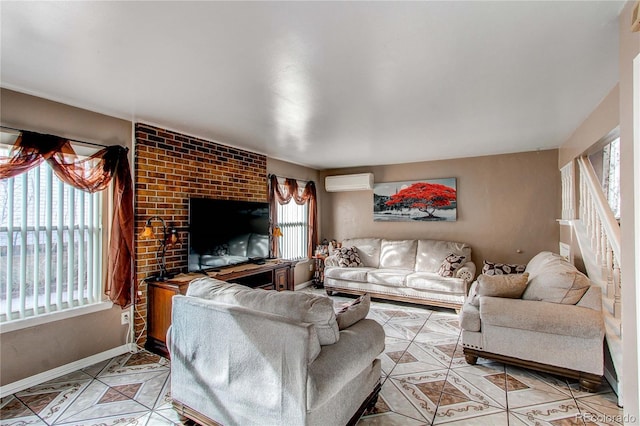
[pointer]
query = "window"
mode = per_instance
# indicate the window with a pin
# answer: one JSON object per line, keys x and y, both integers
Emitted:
{"x": 50, "y": 245}
{"x": 293, "y": 220}
{"x": 611, "y": 175}
{"x": 606, "y": 164}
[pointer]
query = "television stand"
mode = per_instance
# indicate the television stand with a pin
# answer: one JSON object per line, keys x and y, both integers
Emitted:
{"x": 274, "y": 274}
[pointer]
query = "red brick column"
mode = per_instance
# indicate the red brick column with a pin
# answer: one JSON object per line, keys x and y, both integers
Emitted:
{"x": 169, "y": 169}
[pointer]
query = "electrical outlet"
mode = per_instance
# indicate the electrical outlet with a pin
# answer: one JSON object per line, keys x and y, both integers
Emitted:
{"x": 125, "y": 318}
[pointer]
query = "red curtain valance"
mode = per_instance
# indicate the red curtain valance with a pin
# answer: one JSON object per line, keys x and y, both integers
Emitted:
{"x": 91, "y": 174}
{"x": 283, "y": 195}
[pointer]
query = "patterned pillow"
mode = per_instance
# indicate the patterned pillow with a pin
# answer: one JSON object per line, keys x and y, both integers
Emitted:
{"x": 450, "y": 264}
{"x": 493, "y": 268}
{"x": 348, "y": 257}
{"x": 353, "y": 312}
{"x": 220, "y": 250}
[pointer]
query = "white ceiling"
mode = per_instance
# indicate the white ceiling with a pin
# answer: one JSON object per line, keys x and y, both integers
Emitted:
{"x": 325, "y": 84}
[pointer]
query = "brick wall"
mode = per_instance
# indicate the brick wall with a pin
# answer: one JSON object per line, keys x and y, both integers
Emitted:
{"x": 169, "y": 169}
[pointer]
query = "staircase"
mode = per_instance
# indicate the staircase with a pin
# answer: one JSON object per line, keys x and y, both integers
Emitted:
{"x": 598, "y": 236}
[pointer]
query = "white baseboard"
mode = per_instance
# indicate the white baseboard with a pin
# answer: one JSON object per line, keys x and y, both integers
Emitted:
{"x": 303, "y": 285}
{"x": 28, "y": 382}
{"x": 615, "y": 385}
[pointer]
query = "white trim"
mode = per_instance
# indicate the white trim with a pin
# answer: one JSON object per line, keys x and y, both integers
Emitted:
{"x": 45, "y": 376}
{"x": 615, "y": 385}
{"x": 631, "y": 301}
{"x": 53, "y": 316}
{"x": 303, "y": 285}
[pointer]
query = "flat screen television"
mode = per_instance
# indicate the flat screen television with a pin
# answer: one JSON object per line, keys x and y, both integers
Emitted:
{"x": 227, "y": 232}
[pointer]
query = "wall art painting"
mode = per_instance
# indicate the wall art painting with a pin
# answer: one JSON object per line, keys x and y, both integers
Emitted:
{"x": 428, "y": 200}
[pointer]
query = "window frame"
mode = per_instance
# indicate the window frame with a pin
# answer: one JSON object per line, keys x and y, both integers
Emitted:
{"x": 287, "y": 226}
{"x": 102, "y": 302}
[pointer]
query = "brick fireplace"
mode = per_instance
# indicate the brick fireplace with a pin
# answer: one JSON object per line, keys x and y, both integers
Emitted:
{"x": 169, "y": 169}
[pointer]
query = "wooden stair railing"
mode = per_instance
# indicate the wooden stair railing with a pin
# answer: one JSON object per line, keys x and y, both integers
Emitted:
{"x": 598, "y": 236}
{"x": 603, "y": 232}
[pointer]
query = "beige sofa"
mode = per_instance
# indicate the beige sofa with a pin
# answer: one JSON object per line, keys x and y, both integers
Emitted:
{"x": 404, "y": 270}
{"x": 555, "y": 326}
{"x": 242, "y": 356}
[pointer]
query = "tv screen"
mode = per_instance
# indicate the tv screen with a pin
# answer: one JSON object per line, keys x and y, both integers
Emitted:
{"x": 226, "y": 232}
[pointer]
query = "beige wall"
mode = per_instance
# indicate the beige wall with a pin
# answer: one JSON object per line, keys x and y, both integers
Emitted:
{"x": 290, "y": 170}
{"x": 603, "y": 119}
{"x": 506, "y": 203}
{"x": 617, "y": 109}
{"x": 629, "y": 49}
{"x": 40, "y": 115}
{"x": 33, "y": 350}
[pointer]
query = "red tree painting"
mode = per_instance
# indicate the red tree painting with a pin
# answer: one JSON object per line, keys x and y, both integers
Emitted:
{"x": 426, "y": 197}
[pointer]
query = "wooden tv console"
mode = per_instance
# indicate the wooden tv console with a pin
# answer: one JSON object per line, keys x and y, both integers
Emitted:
{"x": 272, "y": 275}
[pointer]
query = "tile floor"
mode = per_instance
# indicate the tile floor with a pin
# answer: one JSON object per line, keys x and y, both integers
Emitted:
{"x": 425, "y": 382}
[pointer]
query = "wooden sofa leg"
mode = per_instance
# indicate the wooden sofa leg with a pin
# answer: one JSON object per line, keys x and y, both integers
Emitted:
{"x": 471, "y": 359}
{"x": 589, "y": 385}
{"x": 373, "y": 400}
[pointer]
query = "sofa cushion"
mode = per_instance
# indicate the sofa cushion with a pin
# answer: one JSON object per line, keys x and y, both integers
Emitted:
{"x": 541, "y": 261}
{"x": 348, "y": 274}
{"x": 541, "y": 317}
{"x": 450, "y": 264}
{"x": 368, "y": 250}
{"x": 493, "y": 268}
{"x": 258, "y": 246}
{"x": 353, "y": 312}
{"x": 388, "y": 277}
{"x": 557, "y": 284}
{"x": 510, "y": 286}
{"x": 238, "y": 245}
{"x": 398, "y": 254}
{"x": 431, "y": 253}
{"x": 434, "y": 282}
{"x": 298, "y": 306}
{"x": 348, "y": 257}
{"x": 553, "y": 279}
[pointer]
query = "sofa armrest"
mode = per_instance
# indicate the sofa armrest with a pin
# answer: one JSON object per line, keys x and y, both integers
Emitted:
{"x": 340, "y": 363}
{"x": 467, "y": 272}
{"x": 331, "y": 260}
{"x": 543, "y": 317}
{"x": 592, "y": 299}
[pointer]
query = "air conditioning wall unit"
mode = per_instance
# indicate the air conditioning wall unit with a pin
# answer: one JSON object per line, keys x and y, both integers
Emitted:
{"x": 356, "y": 182}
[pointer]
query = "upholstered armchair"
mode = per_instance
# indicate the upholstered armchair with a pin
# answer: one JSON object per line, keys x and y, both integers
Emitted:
{"x": 548, "y": 319}
{"x": 252, "y": 357}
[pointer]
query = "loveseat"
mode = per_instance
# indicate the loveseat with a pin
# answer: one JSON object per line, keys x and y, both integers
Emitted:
{"x": 547, "y": 319}
{"x": 404, "y": 270}
{"x": 242, "y": 356}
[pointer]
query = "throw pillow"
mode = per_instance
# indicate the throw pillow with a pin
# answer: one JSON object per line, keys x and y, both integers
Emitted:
{"x": 558, "y": 284}
{"x": 353, "y": 312}
{"x": 493, "y": 268}
{"x": 509, "y": 286}
{"x": 450, "y": 265}
{"x": 348, "y": 257}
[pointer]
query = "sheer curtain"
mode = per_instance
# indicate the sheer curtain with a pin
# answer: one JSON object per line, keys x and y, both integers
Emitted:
{"x": 91, "y": 175}
{"x": 283, "y": 194}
